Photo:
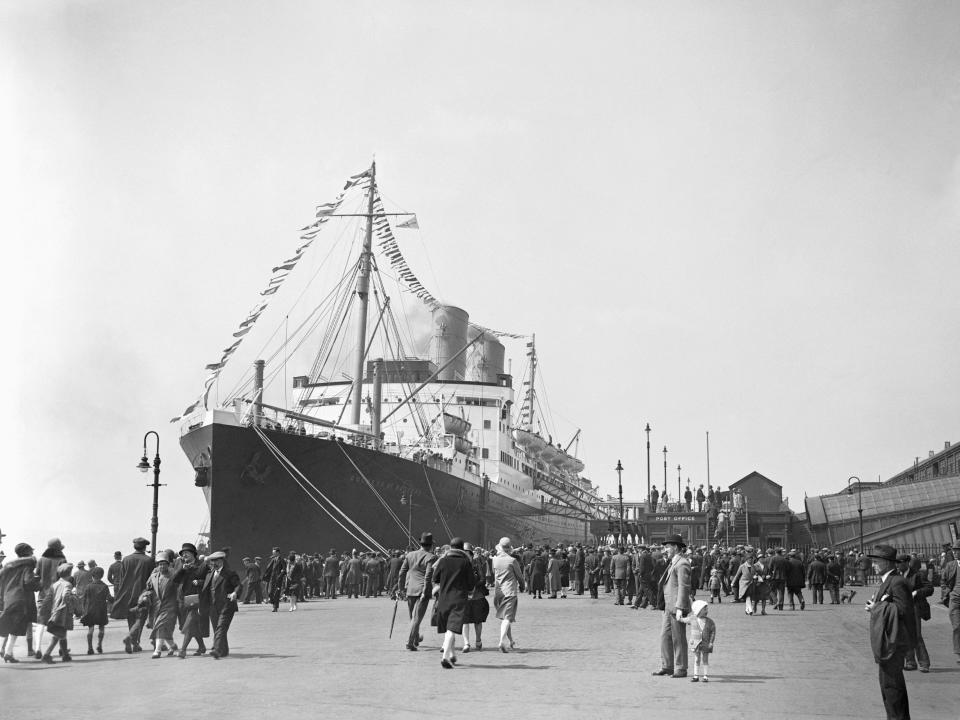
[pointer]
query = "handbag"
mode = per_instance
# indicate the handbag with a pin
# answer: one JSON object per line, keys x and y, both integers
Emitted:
{"x": 191, "y": 601}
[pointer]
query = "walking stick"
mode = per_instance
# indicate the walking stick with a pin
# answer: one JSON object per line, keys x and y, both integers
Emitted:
{"x": 394, "y": 619}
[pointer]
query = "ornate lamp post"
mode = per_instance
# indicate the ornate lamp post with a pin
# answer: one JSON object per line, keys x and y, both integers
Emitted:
{"x": 619, "y": 469}
{"x": 143, "y": 466}
{"x": 679, "y": 493}
{"x": 859, "y": 505}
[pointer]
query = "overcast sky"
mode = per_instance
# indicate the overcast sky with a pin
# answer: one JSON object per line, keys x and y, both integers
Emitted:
{"x": 738, "y": 217}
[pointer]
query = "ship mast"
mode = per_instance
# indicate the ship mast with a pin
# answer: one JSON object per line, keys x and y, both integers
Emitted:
{"x": 363, "y": 293}
{"x": 533, "y": 379}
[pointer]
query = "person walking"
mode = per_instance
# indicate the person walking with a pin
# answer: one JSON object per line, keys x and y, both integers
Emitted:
{"x": 293, "y": 575}
{"x": 194, "y": 609}
{"x": 165, "y": 606}
{"x": 950, "y": 596}
{"x": 674, "y": 601}
{"x": 220, "y": 588}
{"x": 620, "y": 570}
{"x": 47, "y": 574}
{"x": 478, "y": 607}
{"x": 538, "y": 574}
{"x": 17, "y": 606}
{"x": 113, "y": 572}
{"x": 892, "y": 631}
{"x": 275, "y": 575}
{"x": 455, "y": 578}
{"x": 920, "y": 589}
{"x": 254, "y": 576}
{"x": 135, "y": 570}
{"x": 553, "y": 576}
{"x": 412, "y": 586}
{"x": 96, "y": 608}
{"x": 508, "y": 584}
{"x": 62, "y": 608}
{"x": 795, "y": 579}
{"x": 817, "y": 577}
{"x": 745, "y": 580}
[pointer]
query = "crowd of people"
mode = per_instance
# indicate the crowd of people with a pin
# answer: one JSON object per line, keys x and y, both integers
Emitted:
{"x": 41, "y": 597}
{"x": 46, "y": 594}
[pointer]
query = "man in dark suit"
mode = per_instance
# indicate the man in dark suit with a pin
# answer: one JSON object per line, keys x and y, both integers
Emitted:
{"x": 892, "y": 630}
{"x": 620, "y": 569}
{"x": 920, "y": 589}
{"x": 135, "y": 570}
{"x": 950, "y": 595}
{"x": 779, "y": 567}
{"x": 219, "y": 593}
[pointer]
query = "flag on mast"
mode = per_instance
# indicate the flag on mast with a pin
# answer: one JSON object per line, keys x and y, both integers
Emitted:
{"x": 410, "y": 224}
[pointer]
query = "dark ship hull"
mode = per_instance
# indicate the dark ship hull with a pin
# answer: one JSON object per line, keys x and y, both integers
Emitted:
{"x": 255, "y": 504}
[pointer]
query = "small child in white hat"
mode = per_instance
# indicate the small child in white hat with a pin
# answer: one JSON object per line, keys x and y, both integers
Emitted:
{"x": 702, "y": 633}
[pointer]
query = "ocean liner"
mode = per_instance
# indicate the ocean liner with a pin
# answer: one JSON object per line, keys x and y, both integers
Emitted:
{"x": 403, "y": 443}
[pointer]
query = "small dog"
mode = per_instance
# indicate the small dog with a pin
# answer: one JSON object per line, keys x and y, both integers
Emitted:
{"x": 846, "y": 596}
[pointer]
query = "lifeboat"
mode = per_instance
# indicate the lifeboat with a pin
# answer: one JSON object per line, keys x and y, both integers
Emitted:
{"x": 549, "y": 453}
{"x": 521, "y": 437}
{"x": 453, "y": 425}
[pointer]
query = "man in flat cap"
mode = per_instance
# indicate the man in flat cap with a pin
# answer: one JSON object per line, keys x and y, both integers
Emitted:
{"x": 950, "y": 595}
{"x": 673, "y": 598}
{"x": 135, "y": 570}
{"x": 892, "y": 630}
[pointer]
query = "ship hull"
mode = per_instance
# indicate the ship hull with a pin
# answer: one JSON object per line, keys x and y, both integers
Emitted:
{"x": 256, "y": 504}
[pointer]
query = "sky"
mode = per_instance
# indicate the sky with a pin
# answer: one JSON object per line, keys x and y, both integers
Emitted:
{"x": 728, "y": 217}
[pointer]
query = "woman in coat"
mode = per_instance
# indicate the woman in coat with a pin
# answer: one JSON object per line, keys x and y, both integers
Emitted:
{"x": 165, "y": 606}
{"x": 478, "y": 607}
{"x": 17, "y": 606}
{"x": 538, "y": 575}
{"x": 294, "y": 579}
{"x": 744, "y": 580}
{"x": 553, "y": 576}
{"x": 454, "y": 578}
{"x": 194, "y": 608}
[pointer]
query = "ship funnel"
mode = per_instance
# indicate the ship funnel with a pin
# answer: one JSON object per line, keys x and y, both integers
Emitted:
{"x": 486, "y": 359}
{"x": 449, "y": 337}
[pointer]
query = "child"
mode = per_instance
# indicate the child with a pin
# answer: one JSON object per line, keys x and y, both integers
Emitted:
{"x": 139, "y": 612}
{"x": 715, "y": 584}
{"x": 61, "y": 613}
{"x": 97, "y": 600}
{"x": 702, "y": 632}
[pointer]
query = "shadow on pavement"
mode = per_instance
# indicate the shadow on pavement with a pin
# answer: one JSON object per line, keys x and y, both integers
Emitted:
{"x": 511, "y": 666}
{"x": 744, "y": 678}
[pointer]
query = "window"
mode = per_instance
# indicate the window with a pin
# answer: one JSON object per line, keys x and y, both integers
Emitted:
{"x": 485, "y": 453}
{"x": 486, "y": 424}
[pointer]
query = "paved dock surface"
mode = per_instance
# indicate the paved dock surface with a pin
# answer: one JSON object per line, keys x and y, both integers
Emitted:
{"x": 576, "y": 657}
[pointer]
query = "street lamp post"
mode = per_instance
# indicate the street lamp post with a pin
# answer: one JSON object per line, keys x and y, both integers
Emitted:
{"x": 143, "y": 466}
{"x": 648, "y": 464}
{"x": 859, "y": 506}
{"x": 665, "y": 474}
{"x": 619, "y": 470}
{"x": 679, "y": 493}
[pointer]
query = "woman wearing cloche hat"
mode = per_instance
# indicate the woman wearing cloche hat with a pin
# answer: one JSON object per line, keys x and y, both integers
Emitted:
{"x": 194, "y": 615}
{"x": 17, "y": 585}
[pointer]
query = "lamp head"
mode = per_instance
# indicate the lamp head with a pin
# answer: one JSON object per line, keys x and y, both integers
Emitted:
{"x": 143, "y": 465}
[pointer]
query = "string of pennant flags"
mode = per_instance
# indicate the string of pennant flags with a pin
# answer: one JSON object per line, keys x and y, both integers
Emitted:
{"x": 388, "y": 246}
{"x": 277, "y": 277}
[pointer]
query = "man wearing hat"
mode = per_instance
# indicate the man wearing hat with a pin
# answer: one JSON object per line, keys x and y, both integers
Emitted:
{"x": 135, "y": 570}
{"x": 674, "y": 599}
{"x": 892, "y": 630}
{"x": 950, "y": 595}
{"x": 920, "y": 589}
{"x": 411, "y": 584}
{"x": 254, "y": 590}
{"x": 220, "y": 595}
{"x": 331, "y": 571}
{"x": 274, "y": 575}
